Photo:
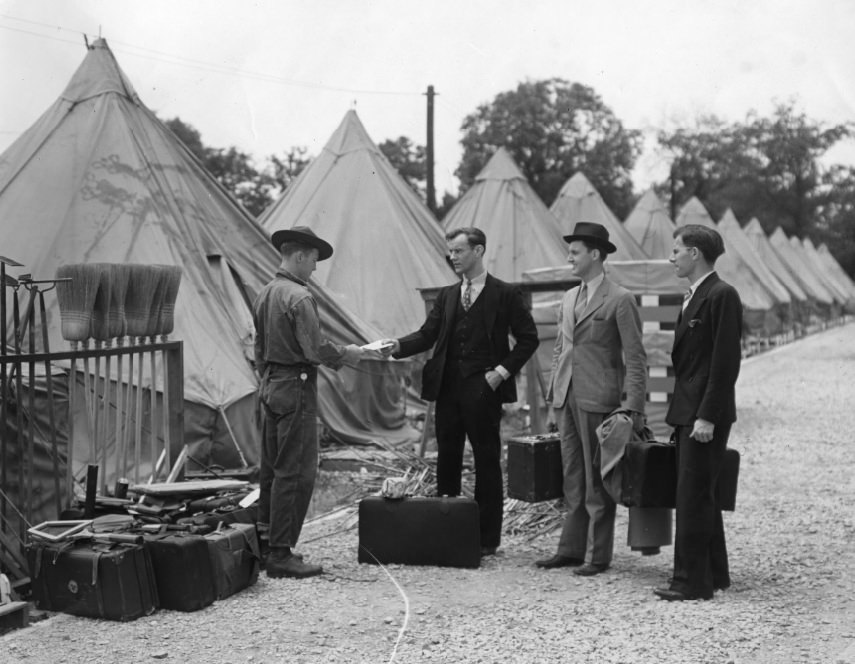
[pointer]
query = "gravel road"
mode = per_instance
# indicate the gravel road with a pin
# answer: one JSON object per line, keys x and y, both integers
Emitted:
{"x": 791, "y": 539}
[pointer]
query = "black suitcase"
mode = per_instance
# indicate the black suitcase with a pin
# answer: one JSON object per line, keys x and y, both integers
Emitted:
{"x": 650, "y": 476}
{"x": 534, "y": 468}
{"x": 182, "y": 570}
{"x": 235, "y": 558}
{"x": 419, "y": 531}
{"x": 93, "y": 579}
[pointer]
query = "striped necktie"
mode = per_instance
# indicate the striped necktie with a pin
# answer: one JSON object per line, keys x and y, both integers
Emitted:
{"x": 467, "y": 295}
{"x": 686, "y": 297}
{"x": 581, "y": 301}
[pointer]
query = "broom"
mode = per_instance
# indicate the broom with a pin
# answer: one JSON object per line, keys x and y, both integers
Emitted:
{"x": 100, "y": 332}
{"x": 142, "y": 284}
{"x": 120, "y": 276}
{"x": 76, "y": 300}
{"x": 170, "y": 281}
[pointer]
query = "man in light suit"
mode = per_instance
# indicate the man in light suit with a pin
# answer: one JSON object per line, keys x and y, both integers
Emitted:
{"x": 472, "y": 372}
{"x": 598, "y": 357}
{"x": 706, "y": 357}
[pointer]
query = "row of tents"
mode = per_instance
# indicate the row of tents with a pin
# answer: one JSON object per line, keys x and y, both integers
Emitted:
{"x": 98, "y": 178}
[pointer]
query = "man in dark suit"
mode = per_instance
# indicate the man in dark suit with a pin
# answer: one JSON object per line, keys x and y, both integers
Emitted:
{"x": 472, "y": 372}
{"x": 598, "y": 364}
{"x": 706, "y": 357}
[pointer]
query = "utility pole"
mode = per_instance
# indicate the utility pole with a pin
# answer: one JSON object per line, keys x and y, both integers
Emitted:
{"x": 431, "y": 188}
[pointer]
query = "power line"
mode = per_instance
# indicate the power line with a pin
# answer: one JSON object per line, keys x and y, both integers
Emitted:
{"x": 200, "y": 65}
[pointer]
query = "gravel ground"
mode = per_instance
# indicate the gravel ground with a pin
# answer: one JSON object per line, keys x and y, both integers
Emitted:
{"x": 791, "y": 544}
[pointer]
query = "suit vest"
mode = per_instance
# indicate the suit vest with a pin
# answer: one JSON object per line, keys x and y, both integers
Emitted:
{"x": 469, "y": 344}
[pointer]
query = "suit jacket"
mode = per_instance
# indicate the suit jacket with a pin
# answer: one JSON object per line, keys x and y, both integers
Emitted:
{"x": 504, "y": 311}
{"x": 601, "y": 353}
{"x": 706, "y": 356}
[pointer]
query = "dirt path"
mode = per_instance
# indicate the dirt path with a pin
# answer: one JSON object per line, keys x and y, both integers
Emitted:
{"x": 792, "y": 544}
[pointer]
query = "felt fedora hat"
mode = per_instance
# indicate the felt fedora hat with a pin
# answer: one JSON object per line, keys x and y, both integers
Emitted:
{"x": 595, "y": 234}
{"x": 303, "y": 235}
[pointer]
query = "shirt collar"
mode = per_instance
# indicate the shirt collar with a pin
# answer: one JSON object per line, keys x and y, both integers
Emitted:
{"x": 695, "y": 285}
{"x": 594, "y": 283}
{"x": 282, "y": 272}
{"x": 480, "y": 280}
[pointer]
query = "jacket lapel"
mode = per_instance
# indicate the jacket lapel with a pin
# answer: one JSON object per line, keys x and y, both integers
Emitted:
{"x": 490, "y": 296}
{"x": 693, "y": 307}
{"x": 597, "y": 300}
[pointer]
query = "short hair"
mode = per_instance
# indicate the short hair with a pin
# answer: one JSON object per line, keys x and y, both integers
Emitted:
{"x": 474, "y": 236}
{"x": 705, "y": 239}
{"x": 290, "y": 247}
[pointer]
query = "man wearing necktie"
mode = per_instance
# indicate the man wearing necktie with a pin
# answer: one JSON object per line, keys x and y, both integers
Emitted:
{"x": 598, "y": 357}
{"x": 472, "y": 372}
{"x": 706, "y": 357}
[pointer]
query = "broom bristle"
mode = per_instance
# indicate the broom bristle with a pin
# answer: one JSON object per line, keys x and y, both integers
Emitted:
{"x": 166, "y": 314}
{"x": 120, "y": 276}
{"x": 156, "y": 301}
{"x": 142, "y": 284}
{"x": 100, "y": 323}
{"x": 77, "y": 298}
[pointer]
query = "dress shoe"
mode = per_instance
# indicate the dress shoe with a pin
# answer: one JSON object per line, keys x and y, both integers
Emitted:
{"x": 590, "y": 569}
{"x": 292, "y": 567}
{"x": 559, "y": 561}
{"x": 488, "y": 550}
{"x": 675, "y": 595}
{"x": 724, "y": 585}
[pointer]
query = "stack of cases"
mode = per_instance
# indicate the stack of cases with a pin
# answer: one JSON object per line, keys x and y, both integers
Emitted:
{"x": 235, "y": 558}
{"x": 95, "y": 580}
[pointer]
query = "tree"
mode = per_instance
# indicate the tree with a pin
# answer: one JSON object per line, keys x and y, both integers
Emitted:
{"x": 409, "y": 160}
{"x": 284, "y": 171}
{"x": 764, "y": 167}
{"x": 553, "y": 128}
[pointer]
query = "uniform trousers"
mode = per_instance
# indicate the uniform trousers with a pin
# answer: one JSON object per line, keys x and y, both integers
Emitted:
{"x": 588, "y": 531}
{"x": 469, "y": 407}
{"x": 289, "y": 452}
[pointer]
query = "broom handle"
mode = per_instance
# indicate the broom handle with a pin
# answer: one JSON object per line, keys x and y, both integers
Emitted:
{"x": 153, "y": 433}
{"x": 138, "y": 417}
{"x": 167, "y": 410}
{"x": 54, "y": 447}
{"x": 99, "y": 451}
{"x": 87, "y": 394}
{"x": 105, "y": 424}
{"x": 129, "y": 395}
{"x": 69, "y": 455}
{"x": 120, "y": 402}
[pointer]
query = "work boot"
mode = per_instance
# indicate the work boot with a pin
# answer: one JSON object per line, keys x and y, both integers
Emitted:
{"x": 281, "y": 564}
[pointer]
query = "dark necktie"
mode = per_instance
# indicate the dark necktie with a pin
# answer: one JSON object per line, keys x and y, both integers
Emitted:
{"x": 467, "y": 295}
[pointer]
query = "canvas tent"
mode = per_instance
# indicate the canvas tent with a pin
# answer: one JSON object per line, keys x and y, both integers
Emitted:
{"x": 578, "y": 201}
{"x": 731, "y": 230}
{"x": 521, "y": 232}
{"x": 755, "y": 234}
{"x": 834, "y": 267}
{"x": 98, "y": 178}
{"x": 759, "y": 305}
{"x": 387, "y": 242}
{"x": 841, "y": 289}
{"x": 651, "y": 226}
{"x": 823, "y": 301}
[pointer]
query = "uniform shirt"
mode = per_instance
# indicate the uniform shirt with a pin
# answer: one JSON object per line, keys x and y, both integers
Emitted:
{"x": 287, "y": 327}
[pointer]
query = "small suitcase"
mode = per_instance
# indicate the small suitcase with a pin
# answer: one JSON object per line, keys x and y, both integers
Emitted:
{"x": 650, "y": 476}
{"x": 419, "y": 531}
{"x": 182, "y": 570}
{"x": 93, "y": 579}
{"x": 534, "y": 468}
{"x": 235, "y": 558}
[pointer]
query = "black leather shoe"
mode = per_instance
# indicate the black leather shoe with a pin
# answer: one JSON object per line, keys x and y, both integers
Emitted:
{"x": 675, "y": 595}
{"x": 488, "y": 550}
{"x": 559, "y": 561}
{"x": 590, "y": 569}
{"x": 721, "y": 586}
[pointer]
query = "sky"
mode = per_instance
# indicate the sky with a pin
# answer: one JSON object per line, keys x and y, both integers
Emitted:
{"x": 268, "y": 75}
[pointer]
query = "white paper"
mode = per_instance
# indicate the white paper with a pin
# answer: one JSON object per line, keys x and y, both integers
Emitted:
{"x": 380, "y": 344}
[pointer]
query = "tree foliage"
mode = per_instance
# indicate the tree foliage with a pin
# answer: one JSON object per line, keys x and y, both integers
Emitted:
{"x": 254, "y": 188}
{"x": 764, "y": 167}
{"x": 553, "y": 128}
{"x": 409, "y": 160}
